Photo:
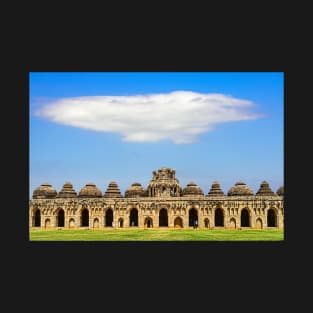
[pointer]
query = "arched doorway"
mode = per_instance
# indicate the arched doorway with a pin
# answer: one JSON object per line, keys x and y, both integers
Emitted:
{"x": 109, "y": 218}
{"x": 85, "y": 218}
{"x": 120, "y": 222}
{"x": 133, "y": 218}
{"x": 271, "y": 218}
{"x": 71, "y": 223}
{"x": 244, "y": 218}
{"x": 232, "y": 223}
{"x": 178, "y": 222}
{"x": 163, "y": 219}
{"x": 95, "y": 223}
{"x": 37, "y": 218}
{"x": 60, "y": 218}
{"x": 193, "y": 217}
{"x": 206, "y": 223}
{"x": 219, "y": 217}
{"x": 258, "y": 223}
{"x": 148, "y": 222}
{"x": 47, "y": 223}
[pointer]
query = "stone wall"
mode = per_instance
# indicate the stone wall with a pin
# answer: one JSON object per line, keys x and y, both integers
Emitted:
{"x": 258, "y": 210}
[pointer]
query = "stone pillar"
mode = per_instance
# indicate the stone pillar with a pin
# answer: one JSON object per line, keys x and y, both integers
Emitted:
{"x": 157, "y": 218}
{"x": 185, "y": 220}
{"x": 200, "y": 218}
{"x": 53, "y": 220}
{"x": 115, "y": 219}
{"x": 252, "y": 218}
{"x": 140, "y": 218}
{"x": 30, "y": 218}
{"x": 42, "y": 221}
{"x": 126, "y": 219}
{"x": 170, "y": 217}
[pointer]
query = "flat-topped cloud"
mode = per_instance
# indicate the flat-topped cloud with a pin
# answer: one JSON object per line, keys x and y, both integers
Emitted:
{"x": 178, "y": 116}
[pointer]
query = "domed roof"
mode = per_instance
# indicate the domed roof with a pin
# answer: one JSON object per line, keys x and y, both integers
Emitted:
{"x": 280, "y": 191}
{"x": 240, "y": 189}
{"x": 113, "y": 191}
{"x": 192, "y": 189}
{"x": 135, "y": 190}
{"x": 265, "y": 190}
{"x": 216, "y": 190}
{"x": 44, "y": 191}
{"x": 67, "y": 191}
{"x": 90, "y": 191}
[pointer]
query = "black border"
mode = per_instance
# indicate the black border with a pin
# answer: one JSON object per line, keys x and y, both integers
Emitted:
{"x": 220, "y": 266}
{"x": 155, "y": 249}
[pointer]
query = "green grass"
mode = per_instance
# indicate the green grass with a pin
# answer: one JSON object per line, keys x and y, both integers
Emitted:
{"x": 128, "y": 234}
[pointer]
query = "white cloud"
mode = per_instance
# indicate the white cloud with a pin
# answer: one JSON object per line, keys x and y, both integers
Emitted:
{"x": 179, "y": 116}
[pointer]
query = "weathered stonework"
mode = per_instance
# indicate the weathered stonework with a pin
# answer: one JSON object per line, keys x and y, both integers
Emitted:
{"x": 163, "y": 204}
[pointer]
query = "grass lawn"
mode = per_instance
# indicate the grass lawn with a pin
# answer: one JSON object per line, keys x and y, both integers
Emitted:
{"x": 130, "y": 234}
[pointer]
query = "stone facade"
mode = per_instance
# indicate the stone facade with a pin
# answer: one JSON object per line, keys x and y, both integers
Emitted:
{"x": 163, "y": 204}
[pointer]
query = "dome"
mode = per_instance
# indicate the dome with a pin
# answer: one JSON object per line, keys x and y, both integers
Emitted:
{"x": 44, "y": 191}
{"x": 265, "y": 190}
{"x": 113, "y": 191}
{"x": 90, "y": 191}
{"x": 135, "y": 190}
{"x": 280, "y": 191}
{"x": 67, "y": 191}
{"x": 216, "y": 190}
{"x": 240, "y": 189}
{"x": 192, "y": 190}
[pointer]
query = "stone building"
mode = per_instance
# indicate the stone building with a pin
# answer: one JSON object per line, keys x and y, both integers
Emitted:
{"x": 162, "y": 204}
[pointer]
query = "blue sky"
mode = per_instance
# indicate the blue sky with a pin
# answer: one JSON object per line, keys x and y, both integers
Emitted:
{"x": 102, "y": 127}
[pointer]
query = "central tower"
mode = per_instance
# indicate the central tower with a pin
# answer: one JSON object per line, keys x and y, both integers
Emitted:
{"x": 164, "y": 184}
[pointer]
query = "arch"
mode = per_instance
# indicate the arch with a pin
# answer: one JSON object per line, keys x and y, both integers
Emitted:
{"x": 133, "y": 217}
{"x": 232, "y": 223}
{"x": 206, "y": 223}
{"x": 37, "y": 218}
{"x": 85, "y": 218}
{"x": 259, "y": 223}
{"x": 178, "y": 222}
{"x": 271, "y": 218}
{"x": 96, "y": 223}
{"x": 47, "y": 223}
{"x": 60, "y": 218}
{"x": 148, "y": 222}
{"x": 163, "y": 218}
{"x": 219, "y": 217}
{"x": 244, "y": 218}
{"x": 71, "y": 223}
{"x": 193, "y": 217}
{"x": 120, "y": 222}
{"x": 109, "y": 218}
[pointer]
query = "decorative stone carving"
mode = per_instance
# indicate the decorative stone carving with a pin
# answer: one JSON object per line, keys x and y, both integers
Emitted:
{"x": 90, "y": 198}
{"x": 67, "y": 191}
{"x": 164, "y": 183}
{"x": 134, "y": 191}
{"x": 240, "y": 189}
{"x": 192, "y": 190}
{"x": 215, "y": 190}
{"x": 280, "y": 191}
{"x": 265, "y": 190}
{"x": 113, "y": 191}
{"x": 44, "y": 191}
{"x": 90, "y": 191}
